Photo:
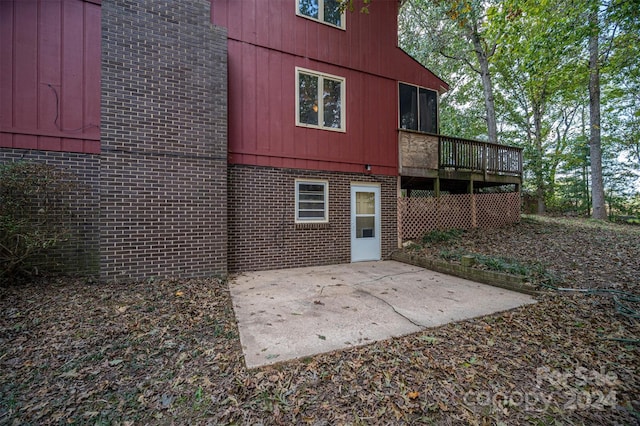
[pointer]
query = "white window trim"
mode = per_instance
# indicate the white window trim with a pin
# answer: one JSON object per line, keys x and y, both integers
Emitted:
{"x": 320, "y": 19}
{"x": 326, "y": 200}
{"x": 343, "y": 91}
{"x": 419, "y": 87}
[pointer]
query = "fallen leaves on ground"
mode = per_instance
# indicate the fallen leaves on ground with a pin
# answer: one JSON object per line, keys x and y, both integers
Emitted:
{"x": 168, "y": 352}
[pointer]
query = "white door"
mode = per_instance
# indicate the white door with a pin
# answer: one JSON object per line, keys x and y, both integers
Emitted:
{"x": 365, "y": 223}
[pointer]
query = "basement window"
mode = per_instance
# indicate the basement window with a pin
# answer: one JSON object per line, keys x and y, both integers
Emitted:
{"x": 312, "y": 201}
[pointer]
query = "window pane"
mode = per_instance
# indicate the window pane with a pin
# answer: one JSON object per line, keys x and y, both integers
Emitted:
{"x": 365, "y": 227}
{"x": 311, "y": 201}
{"x": 310, "y": 214}
{"x": 332, "y": 12}
{"x": 365, "y": 203}
{"x": 428, "y": 111}
{"x": 308, "y": 8}
{"x": 408, "y": 107}
{"x": 308, "y": 101}
{"x": 311, "y": 206}
{"x": 311, "y": 187}
{"x": 311, "y": 197}
{"x": 331, "y": 99}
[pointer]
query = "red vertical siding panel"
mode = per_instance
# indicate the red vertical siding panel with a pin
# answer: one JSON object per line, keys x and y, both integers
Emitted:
{"x": 385, "y": 144}
{"x": 274, "y": 25}
{"x": 290, "y": 26}
{"x": 288, "y": 105}
{"x": 219, "y": 12}
{"x": 344, "y": 50}
{"x": 56, "y": 144}
{"x": 71, "y": 92}
{"x": 235, "y": 122}
{"x": 313, "y": 39}
{"x": 6, "y": 70}
{"x": 374, "y": 57}
{"x": 262, "y": 25}
{"x": 25, "y": 141}
{"x": 49, "y": 54}
{"x": 365, "y": 36}
{"x": 6, "y": 140}
{"x": 261, "y": 101}
{"x": 369, "y": 137}
{"x": 380, "y": 133}
{"x": 342, "y": 149}
{"x": 391, "y": 121}
{"x": 50, "y": 87}
{"x": 25, "y": 57}
{"x": 275, "y": 102}
{"x": 297, "y": 46}
{"x": 325, "y": 37}
{"x": 356, "y": 109}
{"x": 92, "y": 148}
{"x": 249, "y": 20}
{"x": 301, "y": 139}
{"x": 92, "y": 63}
{"x": 72, "y": 145}
{"x": 377, "y": 110}
{"x": 249, "y": 117}
{"x": 234, "y": 24}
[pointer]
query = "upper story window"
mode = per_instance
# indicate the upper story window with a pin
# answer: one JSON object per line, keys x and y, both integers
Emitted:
{"x": 326, "y": 11}
{"x": 320, "y": 100}
{"x": 418, "y": 108}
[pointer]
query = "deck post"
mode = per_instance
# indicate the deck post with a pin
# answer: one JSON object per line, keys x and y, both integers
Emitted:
{"x": 474, "y": 212}
{"x": 485, "y": 154}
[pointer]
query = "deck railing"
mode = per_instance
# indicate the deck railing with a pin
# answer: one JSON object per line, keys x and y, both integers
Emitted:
{"x": 477, "y": 156}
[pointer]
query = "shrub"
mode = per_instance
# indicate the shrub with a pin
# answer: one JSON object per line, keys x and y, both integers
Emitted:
{"x": 34, "y": 215}
{"x": 440, "y": 236}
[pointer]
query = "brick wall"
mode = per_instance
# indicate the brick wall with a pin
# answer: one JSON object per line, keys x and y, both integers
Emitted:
{"x": 79, "y": 255}
{"x": 262, "y": 230}
{"x": 163, "y": 163}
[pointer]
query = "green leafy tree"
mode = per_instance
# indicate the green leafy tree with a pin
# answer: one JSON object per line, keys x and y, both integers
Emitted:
{"x": 457, "y": 30}
{"x": 540, "y": 59}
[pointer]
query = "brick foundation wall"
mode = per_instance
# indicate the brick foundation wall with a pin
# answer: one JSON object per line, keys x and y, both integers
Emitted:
{"x": 262, "y": 230}
{"x": 163, "y": 163}
{"x": 80, "y": 254}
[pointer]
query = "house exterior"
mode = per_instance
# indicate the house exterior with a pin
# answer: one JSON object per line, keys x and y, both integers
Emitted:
{"x": 131, "y": 96}
{"x": 216, "y": 136}
{"x": 313, "y": 130}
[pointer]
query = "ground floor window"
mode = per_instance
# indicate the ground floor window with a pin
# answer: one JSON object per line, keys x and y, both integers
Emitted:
{"x": 312, "y": 201}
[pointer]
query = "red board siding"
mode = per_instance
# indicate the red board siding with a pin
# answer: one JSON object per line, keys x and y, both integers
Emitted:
{"x": 50, "y": 75}
{"x": 368, "y": 44}
{"x": 267, "y": 40}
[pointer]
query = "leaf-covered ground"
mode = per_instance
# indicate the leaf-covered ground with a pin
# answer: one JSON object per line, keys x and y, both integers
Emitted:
{"x": 167, "y": 352}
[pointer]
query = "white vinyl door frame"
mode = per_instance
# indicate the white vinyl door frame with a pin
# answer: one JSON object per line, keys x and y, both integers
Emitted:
{"x": 366, "y": 235}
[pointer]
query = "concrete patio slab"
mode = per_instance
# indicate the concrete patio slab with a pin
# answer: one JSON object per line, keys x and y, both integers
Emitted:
{"x": 292, "y": 313}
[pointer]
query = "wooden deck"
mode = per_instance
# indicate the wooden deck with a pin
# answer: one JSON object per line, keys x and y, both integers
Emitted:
{"x": 440, "y": 157}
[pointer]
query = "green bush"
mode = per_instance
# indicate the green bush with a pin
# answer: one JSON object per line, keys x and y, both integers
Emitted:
{"x": 34, "y": 215}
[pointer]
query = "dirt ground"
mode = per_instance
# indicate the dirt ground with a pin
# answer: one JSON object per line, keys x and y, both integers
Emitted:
{"x": 167, "y": 351}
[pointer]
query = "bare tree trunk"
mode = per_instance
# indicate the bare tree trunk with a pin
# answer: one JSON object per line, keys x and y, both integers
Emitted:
{"x": 597, "y": 184}
{"x": 487, "y": 86}
{"x": 538, "y": 166}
